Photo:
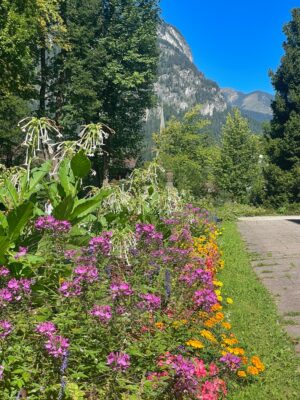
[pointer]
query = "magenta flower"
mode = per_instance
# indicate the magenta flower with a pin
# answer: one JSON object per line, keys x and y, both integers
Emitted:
{"x": 13, "y": 285}
{"x": 5, "y": 329}
{"x": 49, "y": 223}
{"x": 232, "y": 361}
{"x": 57, "y": 346}
{"x": 120, "y": 289}
{"x": 101, "y": 243}
{"x": 205, "y": 299}
{"x": 118, "y": 361}
{"x": 102, "y": 313}
{"x": 46, "y": 328}
{"x": 150, "y": 302}
{"x": 5, "y": 296}
{"x": 4, "y": 271}
{"x": 22, "y": 252}
{"x": 71, "y": 288}
{"x": 86, "y": 273}
{"x": 148, "y": 233}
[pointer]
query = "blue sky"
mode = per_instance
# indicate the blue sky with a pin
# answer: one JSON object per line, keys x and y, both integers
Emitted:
{"x": 234, "y": 42}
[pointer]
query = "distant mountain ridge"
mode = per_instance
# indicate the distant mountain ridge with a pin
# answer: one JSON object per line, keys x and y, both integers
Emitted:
{"x": 181, "y": 85}
{"x": 256, "y": 104}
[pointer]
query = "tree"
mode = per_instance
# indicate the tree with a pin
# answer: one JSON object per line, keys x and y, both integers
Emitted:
{"x": 109, "y": 72}
{"x": 185, "y": 149}
{"x": 239, "y": 168}
{"x": 28, "y": 30}
{"x": 283, "y": 139}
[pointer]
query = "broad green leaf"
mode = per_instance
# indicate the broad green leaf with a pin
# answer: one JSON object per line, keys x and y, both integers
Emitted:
{"x": 63, "y": 210}
{"x": 87, "y": 206}
{"x": 3, "y": 221}
{"x": 11, "y": 191}
{"x": 64, "y": 177}
{"x": 4, "y": 244}
{"x": 18, "y": 218}
{"x": 80, "y": 165}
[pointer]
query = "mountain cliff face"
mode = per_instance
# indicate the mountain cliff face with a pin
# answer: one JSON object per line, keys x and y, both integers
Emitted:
{"x": 180, "y": 86}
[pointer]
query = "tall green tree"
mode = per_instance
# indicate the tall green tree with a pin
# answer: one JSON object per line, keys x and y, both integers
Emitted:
{"x": 240, "y": 172}
{"x": 28, "y": 30}
{"x": 185, "y": 149}
{"x": 283, "y": 139}
{"x": 109, "y": 72}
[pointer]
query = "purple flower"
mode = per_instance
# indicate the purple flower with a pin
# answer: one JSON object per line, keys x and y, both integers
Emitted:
{"x": 148, "y": 233}
{"x": 118, "y": 361}
{"x": 5, "y": 296}
{"x": 22, "y": 252}
{"x": 4, "y": 271}
{"x": 101, "y": 243}
{"x": 150, "y": 302}
{"x": 13, "y": 285}
{"x": 232, "y": 361}
{"x": 102, "y": 313}
{"x": 57, "y": 346}
{"x": 5, "y": 329}
{"x": 71, "y": 288}
{"x": 49, "y": 223}
{"x": 46, "y": 328}
{"x": 120, "y": 289}
{"x": 205, "y": 298}
{"x": 86, "y": 273}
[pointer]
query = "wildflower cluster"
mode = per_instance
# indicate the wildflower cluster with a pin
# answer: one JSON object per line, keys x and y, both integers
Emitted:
{"x": 156, "y": 323}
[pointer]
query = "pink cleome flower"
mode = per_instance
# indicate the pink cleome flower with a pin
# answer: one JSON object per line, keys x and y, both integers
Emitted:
{"x": 5, "y": 329}
{"x": 118, "y": 361}
{"x": 102, "y": 313}
{"x": 46, "y": 328}
{"x": 57, "y": 346}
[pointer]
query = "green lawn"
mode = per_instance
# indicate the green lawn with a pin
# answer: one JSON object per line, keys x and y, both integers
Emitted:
{"x": 256, "y": 323}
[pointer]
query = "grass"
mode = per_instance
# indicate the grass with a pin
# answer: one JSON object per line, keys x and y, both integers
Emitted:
{"x": 256, "y": 323}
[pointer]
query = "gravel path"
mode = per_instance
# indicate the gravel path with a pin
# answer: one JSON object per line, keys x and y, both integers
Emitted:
{"x": 275, "y": 245}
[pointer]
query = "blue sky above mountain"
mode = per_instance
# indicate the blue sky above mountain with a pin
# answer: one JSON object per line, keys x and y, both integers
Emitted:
{"x": 234, "y": 43}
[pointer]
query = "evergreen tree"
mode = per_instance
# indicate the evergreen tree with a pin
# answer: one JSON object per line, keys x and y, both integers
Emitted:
{"x": 283, "y": 139}
{"x": 239, "y": 168}
{"x": 108, "y": 74}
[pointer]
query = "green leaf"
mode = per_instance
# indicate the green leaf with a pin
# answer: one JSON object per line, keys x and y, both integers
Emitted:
{"x": 87, "y": 206}
{"x": 64, "y": 177}
{"x": 80, "y": 165}
{"x": 37, "y": 175}
{"x": 18, "y": 218}
{"x": 11, "y": 191}
{"x": 63, "y": 210}
{"x": 3, "y": 221}
{"x": 4, "y": 244}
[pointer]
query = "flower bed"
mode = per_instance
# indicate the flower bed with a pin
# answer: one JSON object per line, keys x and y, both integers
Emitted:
{"x": 80, "y": 321}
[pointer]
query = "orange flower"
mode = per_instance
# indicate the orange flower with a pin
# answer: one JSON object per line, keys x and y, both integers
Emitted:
{"x": 252, "y": 370}
{"x": 216, "y": 307}
{"x": 219, "y": 316}
{"x": 241, "y": 374}
{"x": 226, "y": 325}
{"x": 257, "y": 363}
{"x": 160, "y": 325}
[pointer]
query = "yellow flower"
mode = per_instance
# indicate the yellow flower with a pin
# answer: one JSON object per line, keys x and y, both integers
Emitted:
{"x": 241, "y": 374}
{"x": 209, "y": 336}
{"x": 195, "y": 343}
{"x": 220, "y": 298}
{"x": 226, "y": 325}
{"x": 218, "y": 292}
{"x": 229, "y": 300}
{"x": 178, "y": 324}
{"x": 257, "y": 363}
{"x": 252, "y": 370}
{"x": 230, "y": 342}
{"x": 218, "y": 283}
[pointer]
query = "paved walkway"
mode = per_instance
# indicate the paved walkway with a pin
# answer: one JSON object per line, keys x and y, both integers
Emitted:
{"x": 275, "y": 245}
